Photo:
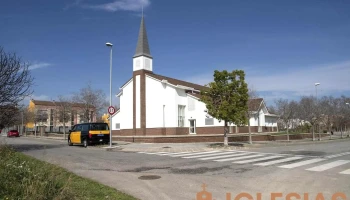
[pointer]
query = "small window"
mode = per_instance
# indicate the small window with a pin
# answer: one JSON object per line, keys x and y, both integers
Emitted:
{"x": 78, "y": 128}
{"x": 117, "y": 126}
{"x": 85, "y": 127}
{"x": 181, "y": 116}
{"x": 99, "y": 127}
{"x": 209, "y": 121}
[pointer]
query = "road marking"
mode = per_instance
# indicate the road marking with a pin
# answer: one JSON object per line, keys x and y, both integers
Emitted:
{"x": 278, "y": 161}
{"x": 180, "y": 153}
{"x": 328, "y": 165}
{"x": 239, "y": 158}
{"x": 257, "y": 159}
{"x": 338, "y": 155}
{"x": 298, "y": 150}
{"x": 190, "y": 154}
{"x": 225, "y": 156}
{"x": 305, "y": 162}
{"x": 213, "y": 154}
{"x": 345, "y": 172}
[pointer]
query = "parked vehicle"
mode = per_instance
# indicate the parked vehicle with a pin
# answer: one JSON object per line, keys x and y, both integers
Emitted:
{"x": 89, "y": 133}
{"x": 13, "y": 133}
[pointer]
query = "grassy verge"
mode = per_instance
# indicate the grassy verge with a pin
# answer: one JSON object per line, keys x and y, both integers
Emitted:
{"x": 24, "y": 177}
{"x": 285, "y": 133}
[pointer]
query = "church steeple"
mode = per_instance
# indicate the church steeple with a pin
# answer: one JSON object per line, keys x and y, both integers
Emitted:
{"x": 142, "y": 60}
{"x": 142, "y": 48}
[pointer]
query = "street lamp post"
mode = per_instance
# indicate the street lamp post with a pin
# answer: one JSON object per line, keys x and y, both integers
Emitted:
{"x": 22, "y": 124}
{"x": 348, "y": 104}
{"x": 316, "y": 84}
{"x": 110, "y": 93}
{"x": 319, "y": 135}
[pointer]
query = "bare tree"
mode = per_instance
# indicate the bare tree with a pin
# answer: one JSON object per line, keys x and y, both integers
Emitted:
{"x": 286, "y": 111}
{"x": 8, "y": 116}
{"x": 64, "y": 109}
{"x": 92, "y": 100}
{"x": 251, "y": 112}
{"x": 328, "y": 105}
{"x": 15, "y": 84}
{"x": 310, "y": 112}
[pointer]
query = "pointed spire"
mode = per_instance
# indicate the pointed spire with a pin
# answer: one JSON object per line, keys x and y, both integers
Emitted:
{"x": 142, "y": 48}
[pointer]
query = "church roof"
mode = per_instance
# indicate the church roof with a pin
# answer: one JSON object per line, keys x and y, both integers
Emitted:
{"x": 177, "y": 81}
{"x": 142, "y": 48}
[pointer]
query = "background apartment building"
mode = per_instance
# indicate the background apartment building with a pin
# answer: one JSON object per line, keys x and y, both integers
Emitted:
{"x": 53, "y": 116}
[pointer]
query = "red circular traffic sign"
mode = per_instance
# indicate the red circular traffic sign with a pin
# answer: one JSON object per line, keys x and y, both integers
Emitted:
{"x": 111, "y": 110}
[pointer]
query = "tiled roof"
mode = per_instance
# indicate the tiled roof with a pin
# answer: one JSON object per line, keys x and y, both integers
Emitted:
{"x": 195, "y": 95}
{"x": 56, "y": 103}
{"x": 254, "y": 104}
{"x": 177, "y": 81}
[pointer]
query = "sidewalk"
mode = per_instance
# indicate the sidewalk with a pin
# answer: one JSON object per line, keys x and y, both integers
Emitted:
{"x": 44, "y": 137}
{"x": 210, "y": 146}
{"x": 205, "y": 146}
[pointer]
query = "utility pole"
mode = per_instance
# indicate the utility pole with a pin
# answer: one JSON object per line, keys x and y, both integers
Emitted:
{"x": 318, "y": 125}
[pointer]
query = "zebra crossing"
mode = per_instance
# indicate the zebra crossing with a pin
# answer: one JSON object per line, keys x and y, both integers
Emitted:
{"x": 286, "y": 161}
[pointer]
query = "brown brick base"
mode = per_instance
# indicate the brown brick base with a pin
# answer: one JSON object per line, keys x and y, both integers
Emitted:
{"x": 185, "y": 131}
{"x": 209, "y": 138}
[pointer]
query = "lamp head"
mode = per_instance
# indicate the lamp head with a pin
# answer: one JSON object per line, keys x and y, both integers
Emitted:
{"x": 316, "y": 84}
{"x": 108, "y": 44}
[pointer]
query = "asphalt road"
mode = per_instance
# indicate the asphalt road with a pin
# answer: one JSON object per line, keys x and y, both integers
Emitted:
{"x": 312, "y": 169}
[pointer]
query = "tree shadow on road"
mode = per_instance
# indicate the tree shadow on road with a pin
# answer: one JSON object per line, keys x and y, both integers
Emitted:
{"x": 33, "y": 147}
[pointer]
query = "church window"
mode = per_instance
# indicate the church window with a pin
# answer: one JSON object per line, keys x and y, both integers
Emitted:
{"x": 181, "y": 115}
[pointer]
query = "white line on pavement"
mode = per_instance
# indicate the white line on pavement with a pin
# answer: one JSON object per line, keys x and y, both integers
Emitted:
{"x": 213, "y": 154}
{"x": 239, "y": 158}
{"x": 345, "y": 172}
{"x": 278, "y": 161}
{"x": 257, "y": 159}
{"x": 225, "y": 156}
{"x": 328, "y": 165}
{"x": 338, "y": 155}
{"x": 190, "y": 154}
{"x": 305, "y": 162}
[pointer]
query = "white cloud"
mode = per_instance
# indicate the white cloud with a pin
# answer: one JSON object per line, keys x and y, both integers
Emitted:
{"x": 38, "y": 65}
{"x": 127, "y": 5}
{"x": 294, "y": 83}
{"x": 75, "y": 3}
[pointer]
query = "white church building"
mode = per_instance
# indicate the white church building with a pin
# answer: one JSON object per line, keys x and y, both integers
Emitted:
{"x": 156, "y": 108}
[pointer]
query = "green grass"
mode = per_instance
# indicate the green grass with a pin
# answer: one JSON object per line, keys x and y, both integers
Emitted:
{"x": 285, "y": 133}
{"x": 24, "y": 177}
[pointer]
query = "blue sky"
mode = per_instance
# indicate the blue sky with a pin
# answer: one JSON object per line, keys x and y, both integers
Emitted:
{"x": 284, "y": 46}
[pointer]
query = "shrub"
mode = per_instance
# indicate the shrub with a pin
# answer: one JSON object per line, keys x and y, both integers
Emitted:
{"x": 23, "y": 177}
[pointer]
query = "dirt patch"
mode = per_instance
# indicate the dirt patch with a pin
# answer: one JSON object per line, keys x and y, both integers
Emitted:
{"x": 142, "y": 169}
{"x": 305, "y": 153}
{"x": 149, "y": 177}
{"x": 198, "y": 170}
{"x": 220, "y": 145}
{"x": 103, "y": 169}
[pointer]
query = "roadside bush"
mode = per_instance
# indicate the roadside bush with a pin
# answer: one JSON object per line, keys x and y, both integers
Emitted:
{"x": 25, "y": 178}
{"x": 21, "y": 179}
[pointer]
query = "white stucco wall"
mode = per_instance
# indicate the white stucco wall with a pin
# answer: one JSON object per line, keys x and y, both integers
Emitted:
{"x": 200, "y": 115}
{"x": 116, "y": 119}
{"x": 138, "y": 108}
{"x": 270, "y": 121}
{"x": 125, "y": 115}
{"x": 157, "y": 96}
{"x": 160, "y": 94}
